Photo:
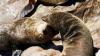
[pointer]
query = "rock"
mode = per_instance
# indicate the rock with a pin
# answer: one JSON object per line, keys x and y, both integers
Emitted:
{"x": 89, "y": 12}
{"x": 45, "y": 10}
{"x": 38, "y": 51}
{"x": 16, "y": 53}
{"x": 98, "y": 53}
{"x": 11, "y": 10}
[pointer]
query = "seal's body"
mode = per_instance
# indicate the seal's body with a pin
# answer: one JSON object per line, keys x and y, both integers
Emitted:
{"x": 77, "y": 40}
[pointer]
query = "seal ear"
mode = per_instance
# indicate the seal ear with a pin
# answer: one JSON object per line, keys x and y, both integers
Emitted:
{"x": 44, "y": 19}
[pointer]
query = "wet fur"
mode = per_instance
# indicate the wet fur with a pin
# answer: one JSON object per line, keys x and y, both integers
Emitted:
{"x": 77, "y": 40}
